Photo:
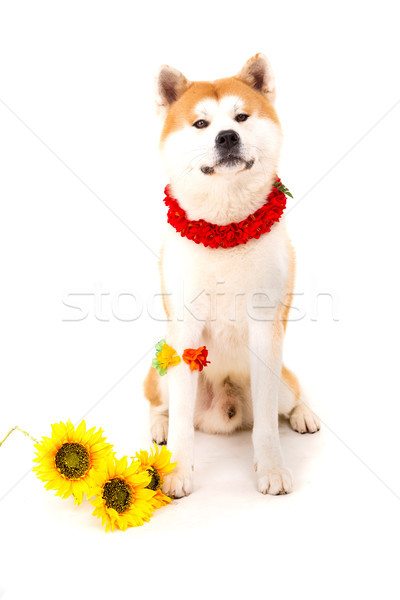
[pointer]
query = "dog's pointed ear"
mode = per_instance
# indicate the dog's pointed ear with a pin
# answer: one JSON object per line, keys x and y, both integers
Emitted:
{"x": 257, "y": 73}
{"x": 169, "y": 86}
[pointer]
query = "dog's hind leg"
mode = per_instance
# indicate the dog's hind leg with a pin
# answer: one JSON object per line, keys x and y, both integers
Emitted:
{"x": 292, "y": 406}
{"x": 156, "y": 392}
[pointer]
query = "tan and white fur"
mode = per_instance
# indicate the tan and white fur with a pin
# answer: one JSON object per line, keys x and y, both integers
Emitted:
{"x": 235, "y": 301}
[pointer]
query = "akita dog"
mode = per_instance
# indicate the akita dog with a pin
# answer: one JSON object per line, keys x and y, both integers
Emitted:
{"x": 226, "y": 284}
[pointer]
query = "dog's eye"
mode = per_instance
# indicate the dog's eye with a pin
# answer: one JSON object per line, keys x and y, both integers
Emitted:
{"x": 200, "y": 124}
{"x": 242, "y": 117}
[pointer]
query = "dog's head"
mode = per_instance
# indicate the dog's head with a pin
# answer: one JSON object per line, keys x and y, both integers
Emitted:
{"x": 218, "y": 134}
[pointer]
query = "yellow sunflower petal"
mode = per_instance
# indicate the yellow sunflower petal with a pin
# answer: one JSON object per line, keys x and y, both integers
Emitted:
{"x": 160, "y": 500}
{"x": 168, "y": 468}
{"x": 80, "y": 431}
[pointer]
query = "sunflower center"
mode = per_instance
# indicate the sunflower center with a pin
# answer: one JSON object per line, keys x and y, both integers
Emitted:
{"x": 72, "y": 460}
{"x": 117, "y": 495}
{"x": 155, "y": 483}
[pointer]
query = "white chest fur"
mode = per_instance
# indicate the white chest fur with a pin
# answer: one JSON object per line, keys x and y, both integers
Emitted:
{"x": 214, "y": 292}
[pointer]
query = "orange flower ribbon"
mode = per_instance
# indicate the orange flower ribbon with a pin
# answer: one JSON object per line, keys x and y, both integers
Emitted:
{"x": 196, "y": 358}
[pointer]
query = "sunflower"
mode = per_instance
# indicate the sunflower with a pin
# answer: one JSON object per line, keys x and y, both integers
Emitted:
{"x": 69, "y": 458}
{"x": 120, "y": 496}
{"x": 156, "y": 464}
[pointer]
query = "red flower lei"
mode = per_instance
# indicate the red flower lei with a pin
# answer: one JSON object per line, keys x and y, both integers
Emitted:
{"x": 227, "y": 236}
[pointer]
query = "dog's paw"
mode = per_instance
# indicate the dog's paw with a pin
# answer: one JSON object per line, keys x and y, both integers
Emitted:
{"x": 178, "y": 484}
{"x": 275, "y": 481}
{"x": 303, "y": 420}
{"x": 159, "y": 430}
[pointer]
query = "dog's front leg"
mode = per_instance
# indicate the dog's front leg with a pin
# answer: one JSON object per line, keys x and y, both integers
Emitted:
{"x": 265, "y": 345}
{"x": 182, "y": 389}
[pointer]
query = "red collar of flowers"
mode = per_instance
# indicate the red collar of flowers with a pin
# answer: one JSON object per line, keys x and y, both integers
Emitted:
{"x": 227, "y": 236}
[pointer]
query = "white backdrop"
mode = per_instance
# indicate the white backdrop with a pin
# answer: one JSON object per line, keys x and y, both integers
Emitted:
{"x": 81, "y": 216}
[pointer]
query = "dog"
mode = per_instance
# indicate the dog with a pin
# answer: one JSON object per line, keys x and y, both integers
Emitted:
{"x": 220, "y": 144}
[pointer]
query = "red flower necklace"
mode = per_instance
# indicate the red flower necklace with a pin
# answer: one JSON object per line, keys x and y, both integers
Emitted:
{"x": 228, "y": 236}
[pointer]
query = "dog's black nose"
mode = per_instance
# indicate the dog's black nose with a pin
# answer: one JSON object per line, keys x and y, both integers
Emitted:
{"x": 225, "y": 140}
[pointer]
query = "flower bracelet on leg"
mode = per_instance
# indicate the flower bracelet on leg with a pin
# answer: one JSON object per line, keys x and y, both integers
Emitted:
{"x": 166, "y": 356}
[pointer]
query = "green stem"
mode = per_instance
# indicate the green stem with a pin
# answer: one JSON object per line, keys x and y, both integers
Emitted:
{"x": 22, "y": 431}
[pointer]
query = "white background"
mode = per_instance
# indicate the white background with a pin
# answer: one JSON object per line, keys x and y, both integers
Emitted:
{"x": 80, "y": 183}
